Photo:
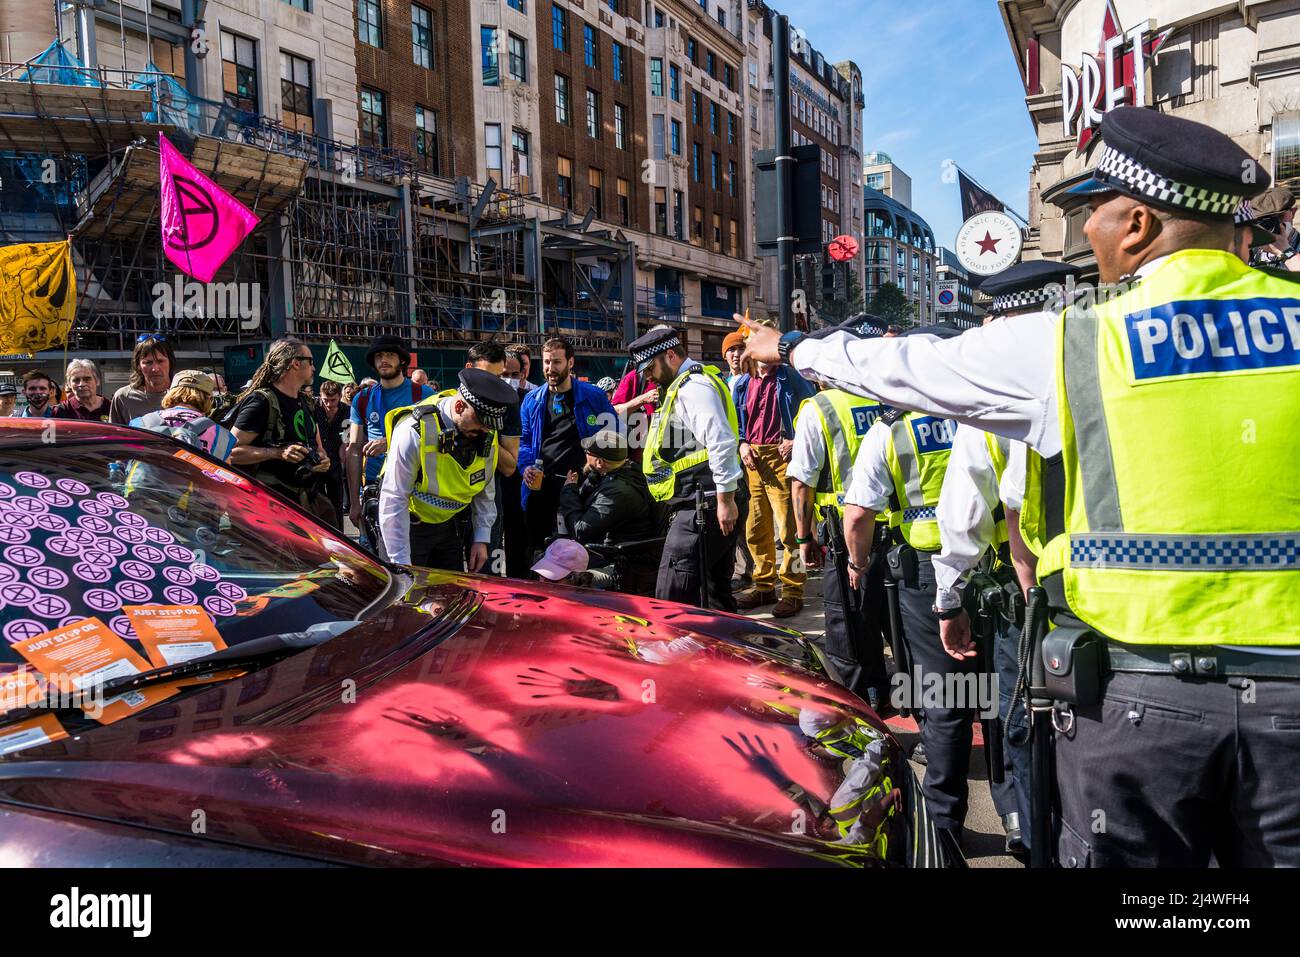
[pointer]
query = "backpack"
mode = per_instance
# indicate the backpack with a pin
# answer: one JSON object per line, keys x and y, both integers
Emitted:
{"x": 190, "y": 433}
{"x": 363, "y": 400}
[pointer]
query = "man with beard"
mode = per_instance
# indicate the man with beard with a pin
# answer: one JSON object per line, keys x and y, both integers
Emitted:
{"x": 85, "y": 402}
{"x": 693, "y": 446}
{"x": 556, "y": 419}
{"x": 152, "y": 363}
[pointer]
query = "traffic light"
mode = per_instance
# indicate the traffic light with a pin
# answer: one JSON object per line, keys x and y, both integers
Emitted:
{"x": 805, "y": 201}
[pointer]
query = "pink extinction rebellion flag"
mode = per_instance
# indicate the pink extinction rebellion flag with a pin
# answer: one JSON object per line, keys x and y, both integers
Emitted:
{"x": 201, "y": 223}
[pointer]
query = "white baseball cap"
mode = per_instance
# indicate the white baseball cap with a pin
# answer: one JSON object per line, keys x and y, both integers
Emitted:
{"x": 563, "y": 557}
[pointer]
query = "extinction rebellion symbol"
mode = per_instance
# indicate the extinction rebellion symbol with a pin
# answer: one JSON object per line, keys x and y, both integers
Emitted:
{"x": 196, "y": 206}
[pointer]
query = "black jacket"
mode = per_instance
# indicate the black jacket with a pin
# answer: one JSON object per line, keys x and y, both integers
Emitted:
{"x": 617, "y": 506}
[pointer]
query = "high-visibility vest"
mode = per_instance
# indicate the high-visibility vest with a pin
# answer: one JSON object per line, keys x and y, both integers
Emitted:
{"x": 1179, "y": 403}
{"x": 1033, "y": 515}
{"x": 999, "y": 448}
{"x": 443, "y": 486}
{"x": 844, "y": 419}
{"x": 917, "y": 452}
{"x": 662, "y": 465}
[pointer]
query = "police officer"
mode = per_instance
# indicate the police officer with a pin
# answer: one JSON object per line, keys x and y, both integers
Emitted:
{"x": 978, "y": 524}
{"x": 692, "y": 446}
{"x": 1183, "y": 386}
{"x": 827, "y": 433}
{"x": 442, "y": 455}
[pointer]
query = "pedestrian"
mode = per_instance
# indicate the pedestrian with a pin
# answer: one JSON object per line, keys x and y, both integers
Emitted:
{"x": 733, "y": 348}
{"x": 693, "y": 447}
{"x": 85, "y": 402}
{"x": 187, "y": 408}
{"x": 608, "y": 386}
{"x": 555, "y": 421}
{"x": 152, "y": 364}
{"x": 8, "y": 399}
{"x": 367, "y": 442}
{"x": 766, "y": 404}
{"x": 520, "y": 354}
{"x": 332, "y": 420}
{"x": 490, "y": 356}
{"x": 609, "y": 503}
{"x": 1164, "y": 601}
{"x": 40, "y": 392}
{"x": 634, "y": 399}
{"x": 275, "y": 429}
{"x": 419, "y": 377}
{"x": 441, "y": 461}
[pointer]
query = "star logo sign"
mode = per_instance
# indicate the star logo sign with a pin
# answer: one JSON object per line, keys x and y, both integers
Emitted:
{"x": 988, "y": 244}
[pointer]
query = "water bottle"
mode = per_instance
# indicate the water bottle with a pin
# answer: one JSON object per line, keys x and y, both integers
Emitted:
{"x": 116, "y": 474}
{"x": 537, "y": 466}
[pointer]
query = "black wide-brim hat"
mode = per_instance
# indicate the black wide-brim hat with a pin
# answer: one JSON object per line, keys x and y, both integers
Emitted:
{"x": 388, "y": 344}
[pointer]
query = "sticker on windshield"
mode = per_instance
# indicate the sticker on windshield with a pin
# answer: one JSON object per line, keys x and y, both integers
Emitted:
{"x": 175, "y": 634}
{"x": 14, "y": 536}
{"x": 50, "y": 607}
{"x": 8, "y": 574}
{"x": 18, "y": 593}
{"x": 110, "y": 545}
{"x": 55, "y": 498}
{"x": 130, "y": 520}
{"x": 101, "y": 599}
{"x": 159, "y": 536}
{"x": 25, "y": 555}
{"x": 92, "y": 574}
{"x": 94, "y": 525}
{"x": 180, "y": 595}
{"x": 221, "y": 607}
{"x": 63, "y": 546}
{"x": 121, "y": 625}
{"x": 20, "y": 519}
{"x": 112, "y": 500}
{"x": 232, "y": 591}
{"x": 80, "y": 536}
{"x": 179, "y": 576}
{"x": 32, "y": 479}
{"x": 135, "y": 569}
{"x": 67, "y": 620}
{"x": 47, "y": 578}
{"x": 128, "y": 534}
{"x": 93, "y": 507}
{"x": 149, "y": 553}
{"x": 6, "y": 490}
{"x": 134, "y": 592}
{"x": 73, "y": 487}
{"x": 205, "y": 572}
{"x": 97, "y": 558}
{"x": 179, "y": 553}
{"x": 52, "y": 523}
{"x": 22, "y": 629}
{"x": 25, "y": 503}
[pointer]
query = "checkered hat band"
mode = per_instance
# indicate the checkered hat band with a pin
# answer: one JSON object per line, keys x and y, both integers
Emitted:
{"x": 1118, "y": 169}
{"x": 650, "y": 351}
{"x": 1018, "y": 300}
{"x": 1244, "y": 214}
{"x": 486, "y": 410}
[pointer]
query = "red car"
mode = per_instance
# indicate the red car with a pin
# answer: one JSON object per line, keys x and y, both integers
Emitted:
{"x": 268, "y": 693}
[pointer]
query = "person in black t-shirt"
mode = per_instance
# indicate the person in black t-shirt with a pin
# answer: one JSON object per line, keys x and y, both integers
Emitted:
{"x": 275, "y": 426}
{"x": 331, "y": 419}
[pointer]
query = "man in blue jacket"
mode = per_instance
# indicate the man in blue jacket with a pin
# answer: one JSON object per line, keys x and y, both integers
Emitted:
{"x": 766, "y": 405}
{"x": 556, "y": 419}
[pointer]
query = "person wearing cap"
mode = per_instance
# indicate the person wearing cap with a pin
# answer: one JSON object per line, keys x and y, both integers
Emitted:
{"x": 1188, "y": 381}
{"x": 610, "y": 503}
{"x": 442, "y": 458}
{"x": 187, "y": 405}
{"x": 693, "y": 447}
{"x": 8, "y": 399}
{"x": 367, "y": 443}
{"x": 84, "y": 402}
{"x": 565, "y": 561}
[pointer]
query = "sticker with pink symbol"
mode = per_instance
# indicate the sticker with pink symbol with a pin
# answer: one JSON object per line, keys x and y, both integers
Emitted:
{"x": 32, "y": 479}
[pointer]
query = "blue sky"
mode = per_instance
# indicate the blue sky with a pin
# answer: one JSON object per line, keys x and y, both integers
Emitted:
{"x": 941, "y": 82}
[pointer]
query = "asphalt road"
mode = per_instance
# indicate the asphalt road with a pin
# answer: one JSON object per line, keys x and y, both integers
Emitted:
{"x": 984, "y": 838}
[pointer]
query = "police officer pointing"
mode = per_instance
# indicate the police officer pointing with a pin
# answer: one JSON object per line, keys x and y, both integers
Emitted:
{"x": 1182, "y": 602}
{"x": 442, "y": 455}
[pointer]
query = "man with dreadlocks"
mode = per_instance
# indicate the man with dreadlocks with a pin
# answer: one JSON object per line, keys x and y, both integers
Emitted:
{"x": 275, "y": 428}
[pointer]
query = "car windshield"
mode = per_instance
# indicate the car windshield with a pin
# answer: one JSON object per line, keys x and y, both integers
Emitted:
{"x": 173, "y": 553}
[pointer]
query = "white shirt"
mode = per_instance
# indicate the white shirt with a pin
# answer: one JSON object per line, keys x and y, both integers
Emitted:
{"x": 808, "y": 457}
{"x": 398, "y": 481}
{"x": 872, "y": 483}
{"x": 699, "y": 411}
{"x": 965, "y": 511}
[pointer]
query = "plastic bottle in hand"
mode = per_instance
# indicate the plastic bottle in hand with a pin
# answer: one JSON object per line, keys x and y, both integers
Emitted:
{"x": 536, "y": 482}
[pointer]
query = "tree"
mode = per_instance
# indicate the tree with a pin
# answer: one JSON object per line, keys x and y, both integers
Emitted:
{"x": 835, "y": 310}
{"x": 890, "y": 304}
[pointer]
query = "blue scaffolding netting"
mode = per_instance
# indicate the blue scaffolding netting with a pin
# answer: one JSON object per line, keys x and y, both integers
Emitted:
{"x": 55, "y": 64}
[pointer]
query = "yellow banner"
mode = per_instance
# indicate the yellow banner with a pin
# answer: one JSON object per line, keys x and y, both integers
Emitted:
{"x": 38, "y": 296}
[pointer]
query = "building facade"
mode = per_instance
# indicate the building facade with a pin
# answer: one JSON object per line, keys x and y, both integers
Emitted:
{"x": 879, "y": 172}
{"x": 1235, "y": 67}
{"x": 949, "y": 268}
{"x": 899, "y": 248}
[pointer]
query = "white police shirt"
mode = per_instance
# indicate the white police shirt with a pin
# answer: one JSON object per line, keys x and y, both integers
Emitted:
{"x": 872, "y": 483}
{"x": 967, "y": 502}
{"x": 398, "y": 481}
{"x": 699, "y": 410}
{"x": 808, "y": 455}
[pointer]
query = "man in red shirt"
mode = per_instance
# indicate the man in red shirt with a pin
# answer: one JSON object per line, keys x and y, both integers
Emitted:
{"x": 84, "y": 400}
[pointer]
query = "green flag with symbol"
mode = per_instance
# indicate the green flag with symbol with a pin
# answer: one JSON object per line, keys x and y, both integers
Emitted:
{"x": 336, "y": 365}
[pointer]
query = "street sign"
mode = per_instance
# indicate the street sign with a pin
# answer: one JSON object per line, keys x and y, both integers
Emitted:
{"x": 988, "y": 243}
{"x": 945, "y": 296}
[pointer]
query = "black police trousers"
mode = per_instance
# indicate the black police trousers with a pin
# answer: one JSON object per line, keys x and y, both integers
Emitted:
{"x": 854, "y": 632}
{"x": 679, "y": 568}
{"x": 946, "y": 730}
{"x": 440, "y": 545}
{"x": 1167, "y": 771}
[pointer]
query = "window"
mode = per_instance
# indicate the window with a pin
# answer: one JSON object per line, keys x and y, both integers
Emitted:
{"x": 295, "y": 92}
{"x": 753, "y": 117}
{"x": 715, "y": 170}
{"x": 596, "y": 182}
{"x": 697, "y": 225}
{"x": 239, "y": 72}
{"x": 713, "y": 118}
{"x": 692, "y": 51}
{"x": 491, "y": 66}
{"x": 659, "y": 18}
{"x": 518, "y": 59}
{"x": 657, "y": 135}
{"x": 661, "y": 211}
{"x": 733, "y": 238}
{"x": 675, "y": 82}
{"x": 374, "y": 118}
{"x": 300, "y": 4}
{"x": 564, "y": 180}
{"x": 679, "y": 214}
{"x": 593, "y": 114}
{"x": 722, "y": 17}
{"x": 729, "y": 76}
{"x": 426, "y": 139}
{"x": 620, "y": 126}
{"x": 559, "y": 28}
{"x": 370, "y": 28}
{"x": 519, "y": 158}
{"x": 731, "y": 177}
{"x": 753, "y": 74}
{"x": 590, "y": 46}
{"x": 624, "y": 203}
{"x": 561, "y": 99}
{"x": 492, "y": 145}
{"x": 717, "y": 231}
{"x": 656, "y": 76}
{"x": 696, "y": 115}
{"x": 697, "y": 162}
{"x": 516, "y": 5}
{"x": 677, "y": 137}
{"x": 710, "y": 64}
{"x": 620, "y": 56}
{"x": 731, "y": 127}
{"x": 422, "y": 36}
{"x": 614, "y": 6}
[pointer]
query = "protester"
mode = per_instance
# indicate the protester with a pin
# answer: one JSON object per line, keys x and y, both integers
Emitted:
{"x": 419, "y": 377}
{"x": 565, "y": 562}
{"x": 607, "y": 385}
{"x": 634, "y": 400}
{"x": 332, "y": 418}
{"x": 278, "y": 442}
{"x": 733, "y": 348}
{"x": 520, "y": 354}
{"x": 152, "y": 362}
{"x": 8, "y": 399}
{"x": 39, "y": 390}
{"x": 85, "y": 402}
{"x": 187, "y": 407}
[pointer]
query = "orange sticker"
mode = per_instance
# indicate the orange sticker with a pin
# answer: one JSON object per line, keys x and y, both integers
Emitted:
{"x": 172, "y": 634}
{"x": 31, "y": 733}
{"x": 19, "y": 689}
{"x": 83, "y": 656}
{"x": 211, "y": 469}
